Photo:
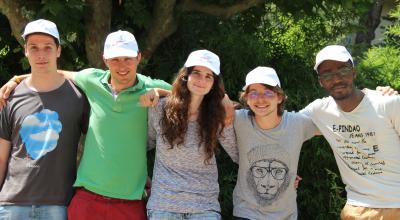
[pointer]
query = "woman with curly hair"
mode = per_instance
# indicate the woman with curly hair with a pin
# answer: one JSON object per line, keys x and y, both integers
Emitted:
{"x": 185, "y": 129}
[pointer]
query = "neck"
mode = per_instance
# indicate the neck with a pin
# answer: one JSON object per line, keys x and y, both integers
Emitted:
{"x": 350, "y": 103}
{"x": 268, "y": 121}
{"x": 45, "y": 82}
{"x": 118, "y": 86}
{"x": 194, "y": 107}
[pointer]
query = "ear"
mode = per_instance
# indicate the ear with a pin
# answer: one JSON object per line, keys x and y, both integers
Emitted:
{"x": 320, "y": 83}
{"x": 58, "y": 51}
{"x": 26, "y": 51}
{"x": 139, "y": 57}
{"x": 105, "y": 62}
{"x": 280, "y": 99}
{"x": 354, "y": 73}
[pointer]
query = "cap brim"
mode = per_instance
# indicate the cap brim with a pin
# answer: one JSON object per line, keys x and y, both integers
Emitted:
{"x": 190, "y": 64}
{"x": 120, "y": 53}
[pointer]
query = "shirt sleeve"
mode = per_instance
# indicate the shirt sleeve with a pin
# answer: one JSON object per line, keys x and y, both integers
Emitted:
{"x": 228, "y": 141}
{"x": 151, "y": 131}
{"x": 309, "y": 128}
{"x": 393, "y": 109}
{"x": 81, "y": 78}
{"x": 5, "y": 128}
{"x": 157, "y": 83}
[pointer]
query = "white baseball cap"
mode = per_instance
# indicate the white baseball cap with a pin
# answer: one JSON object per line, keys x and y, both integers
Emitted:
{"x": 120, "y": 44}
{"x": 264, "y": 75}
{"x": 333, "y": 52}
{"x": 203, "y": 58}
{"x": 41, "y": 26}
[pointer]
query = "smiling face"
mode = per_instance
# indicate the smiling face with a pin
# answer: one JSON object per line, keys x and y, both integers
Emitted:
{"x": 200, "y": 81}
{"x": 262, "y": 101}
{"x": 42, "y": 53}
{"x": 123, "y": 71}
{"x": 337, "y": 79}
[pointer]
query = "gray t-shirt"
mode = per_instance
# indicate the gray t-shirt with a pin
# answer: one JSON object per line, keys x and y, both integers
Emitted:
{"x": 268, "y": 161}
{"x": 44, "y": 130}
{"x": 181, "y": 181}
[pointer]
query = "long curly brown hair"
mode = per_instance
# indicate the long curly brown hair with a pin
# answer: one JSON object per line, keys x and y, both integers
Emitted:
{"x": 174, "y": 121}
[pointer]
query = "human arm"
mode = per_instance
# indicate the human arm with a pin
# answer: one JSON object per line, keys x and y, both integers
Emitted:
{"x": 228, "y": 141}
{"x": 151, "y": 98}
{"x": 151, "y": 131}
{"x": 7, "y": 88}
{"x": 386, "y": 90}
{"x": 297, "y": 181}
{"x": 229, "y": 110}
{"x": 70, "y": 75}
{"x": 5, "y": 147}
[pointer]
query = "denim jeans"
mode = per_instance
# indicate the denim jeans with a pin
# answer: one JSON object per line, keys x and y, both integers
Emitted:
{"x": 163, "y": 215}
{"x": 33, "y": 212}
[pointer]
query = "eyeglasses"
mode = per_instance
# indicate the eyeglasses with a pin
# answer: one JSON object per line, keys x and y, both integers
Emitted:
{"x": 255, "y": 95}
{"x": 342, "y": 72}
{"x": 278, "y": 173}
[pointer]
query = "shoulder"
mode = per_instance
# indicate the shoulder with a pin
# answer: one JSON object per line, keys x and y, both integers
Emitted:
{"x": 382, "y": 101}
{"x": 157, "y": 110}
{"x": 89, "y": 73}
{"x": 317, "y": 105}
{"x": 241, "y": 116}
{"x": 296, "y": 116}
{"x": 148, "y": 82}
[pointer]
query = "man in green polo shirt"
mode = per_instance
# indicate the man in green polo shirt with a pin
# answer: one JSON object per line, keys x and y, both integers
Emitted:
{"x": 113, "y": 169}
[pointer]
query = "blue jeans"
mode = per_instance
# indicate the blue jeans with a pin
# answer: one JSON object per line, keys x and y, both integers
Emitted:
{"x": 163, "y": 215}
{"x": 33, "y": 212}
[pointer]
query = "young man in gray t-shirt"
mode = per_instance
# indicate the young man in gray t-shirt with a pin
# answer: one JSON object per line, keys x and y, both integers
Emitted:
{"x": 39, "y": 134}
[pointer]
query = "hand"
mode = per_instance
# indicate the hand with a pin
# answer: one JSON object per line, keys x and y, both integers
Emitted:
{"x": 147, "y": 188}
{"x": 297, "y": 182}
{"x": 5, "y": 92}
{"x": 386, "y": 90}
{"x": 229, "y": 110}
{"x": 150, "y": 98}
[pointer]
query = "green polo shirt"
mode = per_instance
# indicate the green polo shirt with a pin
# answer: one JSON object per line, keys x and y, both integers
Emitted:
{"x": 114, "y": 160}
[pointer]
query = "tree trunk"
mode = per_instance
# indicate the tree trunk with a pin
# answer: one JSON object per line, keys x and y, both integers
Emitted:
{"x": 97, "y": 23}
{"x": 12, "y": 9}
{"x": 163, "y": 25}
{"x": 370, "y": 22}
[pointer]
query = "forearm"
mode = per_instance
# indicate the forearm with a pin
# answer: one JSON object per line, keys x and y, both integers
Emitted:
{"x": 19, "y": 78}
{"x": 163, "y": 92}
{"x": 4, "y": 155}
{"x": 70, "y": 75}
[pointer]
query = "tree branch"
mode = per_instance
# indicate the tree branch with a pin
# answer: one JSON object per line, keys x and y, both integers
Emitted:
{"x": 163, "y": 25}
{"x": 220, "y": 10}
{"x": 12, "y": 9}
{"x": 97, "y": 22}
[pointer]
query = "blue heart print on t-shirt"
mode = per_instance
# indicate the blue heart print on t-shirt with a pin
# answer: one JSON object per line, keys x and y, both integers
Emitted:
{"x": 40, "y": 133}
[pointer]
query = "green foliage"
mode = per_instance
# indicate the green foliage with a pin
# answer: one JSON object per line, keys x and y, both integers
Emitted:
{"x": 380, "y": 65}
{"x": 10, "y": 51}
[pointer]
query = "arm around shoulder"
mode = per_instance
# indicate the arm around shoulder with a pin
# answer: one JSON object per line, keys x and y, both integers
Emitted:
{"x": 70, "y": 75}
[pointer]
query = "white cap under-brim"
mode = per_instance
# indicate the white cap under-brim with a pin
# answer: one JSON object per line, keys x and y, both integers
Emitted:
{"x": 204, "y": 58}
{"x": 262, "y": 75}
{"x": 41, "y": 26}
{"x": 332, "y": 52}
{"x": 120, "y": 44}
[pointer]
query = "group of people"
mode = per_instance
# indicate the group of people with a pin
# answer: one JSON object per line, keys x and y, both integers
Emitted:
{"x": 48, "y": 111}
